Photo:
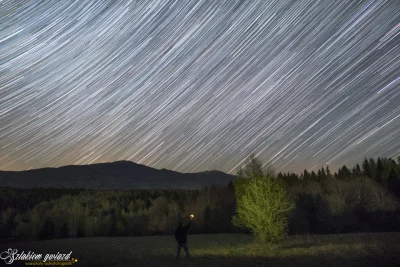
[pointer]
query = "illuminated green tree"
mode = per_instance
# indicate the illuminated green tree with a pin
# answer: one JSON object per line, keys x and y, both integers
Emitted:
{"x": 263, "y": 204}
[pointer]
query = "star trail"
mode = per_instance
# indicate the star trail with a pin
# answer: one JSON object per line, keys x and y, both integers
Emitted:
{"x": 199, "y": 85}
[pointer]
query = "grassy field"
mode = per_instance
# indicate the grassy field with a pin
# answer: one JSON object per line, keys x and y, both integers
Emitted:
{"x": 381, "y": 249}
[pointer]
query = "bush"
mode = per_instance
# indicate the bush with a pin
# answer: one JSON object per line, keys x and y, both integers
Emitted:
{"x": 263, "y": 204}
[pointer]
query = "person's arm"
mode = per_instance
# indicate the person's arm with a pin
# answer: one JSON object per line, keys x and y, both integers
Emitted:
{"x": 187, "y": 226}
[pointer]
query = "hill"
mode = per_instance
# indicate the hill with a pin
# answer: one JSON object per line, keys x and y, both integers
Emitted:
{"x": 114, "y": 175}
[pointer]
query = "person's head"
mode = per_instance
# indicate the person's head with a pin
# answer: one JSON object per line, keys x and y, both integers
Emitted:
{"x": 180, "y": 224}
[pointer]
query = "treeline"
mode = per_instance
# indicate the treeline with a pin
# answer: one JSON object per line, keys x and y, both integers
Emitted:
{"x": 360, "y": 199}
{"x": 384, "y": 171}
{"x": 89, "y": 212}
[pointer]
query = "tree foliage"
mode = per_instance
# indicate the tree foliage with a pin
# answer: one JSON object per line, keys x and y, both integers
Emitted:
{"x": 263, "y": 204}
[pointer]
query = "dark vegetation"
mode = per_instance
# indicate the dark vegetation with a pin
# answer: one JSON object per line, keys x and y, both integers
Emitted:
{"x": 362, "y": 199}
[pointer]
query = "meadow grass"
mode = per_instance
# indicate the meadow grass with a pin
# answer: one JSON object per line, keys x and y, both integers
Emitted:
{"x": 366, "y": 249}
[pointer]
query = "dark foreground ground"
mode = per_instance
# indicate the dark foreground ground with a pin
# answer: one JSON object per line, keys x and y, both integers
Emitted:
{"x": 380, "y": 249}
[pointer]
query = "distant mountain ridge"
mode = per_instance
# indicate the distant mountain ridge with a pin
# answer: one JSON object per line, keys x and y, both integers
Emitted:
{"x": 113, "y": 175}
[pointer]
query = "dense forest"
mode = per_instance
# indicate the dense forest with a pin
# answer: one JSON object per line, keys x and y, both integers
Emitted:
{"x": 360, "y": 199}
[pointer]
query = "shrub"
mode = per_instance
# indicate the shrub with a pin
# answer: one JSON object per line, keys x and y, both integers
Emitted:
{"x": 263, "y": 204}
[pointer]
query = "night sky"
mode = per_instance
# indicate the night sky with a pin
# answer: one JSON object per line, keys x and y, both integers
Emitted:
{"x": 199, "y": 85}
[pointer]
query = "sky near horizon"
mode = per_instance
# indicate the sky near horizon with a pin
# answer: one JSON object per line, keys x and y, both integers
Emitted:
{"x": 199, "y": 85}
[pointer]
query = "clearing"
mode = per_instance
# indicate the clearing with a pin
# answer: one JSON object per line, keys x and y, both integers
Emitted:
{"x": 366, "y": 249}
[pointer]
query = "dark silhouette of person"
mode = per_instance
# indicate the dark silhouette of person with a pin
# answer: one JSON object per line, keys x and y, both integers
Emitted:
{"x": 181, "y": 238}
